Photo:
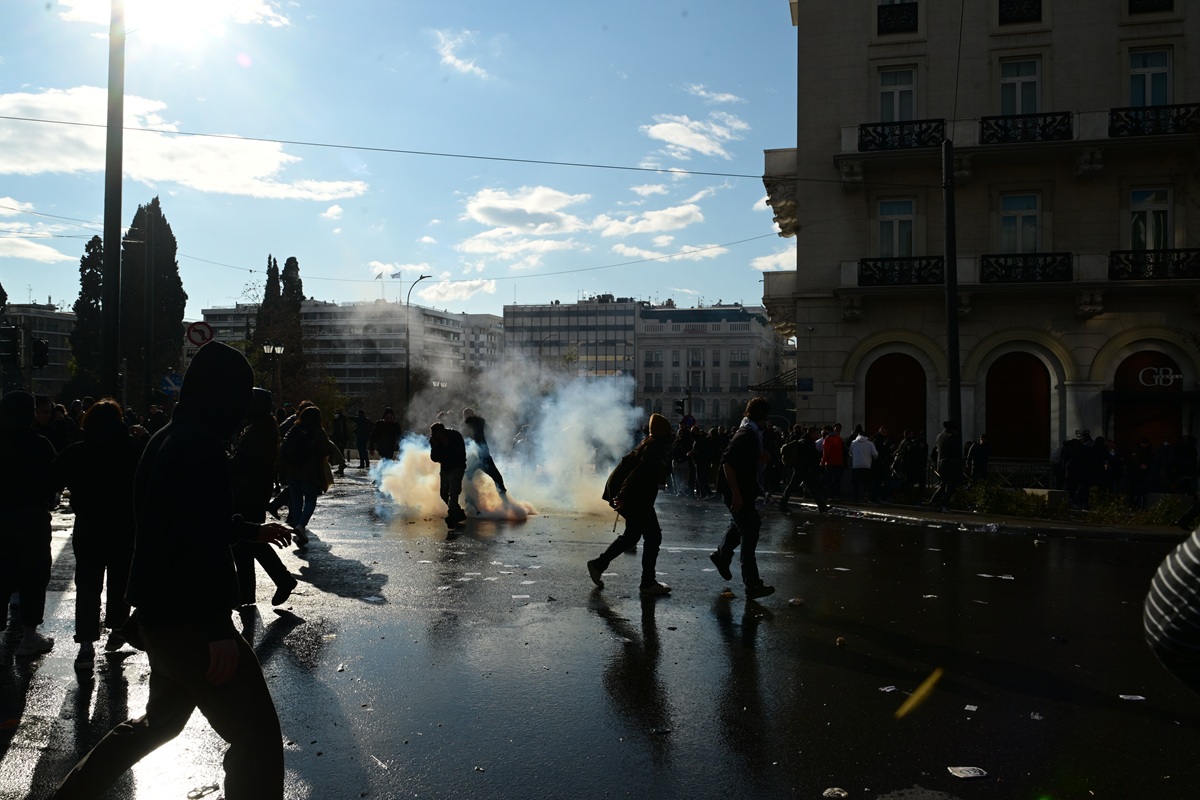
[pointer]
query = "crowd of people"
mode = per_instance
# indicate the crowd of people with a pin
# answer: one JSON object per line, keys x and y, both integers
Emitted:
{"x": 170, "y": 580}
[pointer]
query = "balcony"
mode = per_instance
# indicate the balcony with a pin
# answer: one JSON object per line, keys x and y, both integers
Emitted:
{"x": 1154, "y": 120}
{"x": 913, "y": 271}
{"x": 1150, "y": 6}
{"x": 906, "y": 135}
{"x": 1026, "y": 268}
{"x": 896, "y": 18}
{"x": 737, "y": 363}
{"x": 1052, "y": 127}
{"x": 658, "y": 363}
{"x": 1020, "y": 12}
{"x": 1154, "y": 265}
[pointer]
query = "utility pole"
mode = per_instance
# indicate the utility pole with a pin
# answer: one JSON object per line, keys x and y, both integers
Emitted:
{"x": 111, "y": 337}
{"x": 953, "y": 378}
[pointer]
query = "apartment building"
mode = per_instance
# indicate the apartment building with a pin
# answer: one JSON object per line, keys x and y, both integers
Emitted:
{"x": 591, "y": 338}
{"x": 46, "y": 322}
{"x": 713, "y": 359}
{"x": 360, "y": 344}
{"x": 709, "y": 359}
{"x": 1077, "y": 230}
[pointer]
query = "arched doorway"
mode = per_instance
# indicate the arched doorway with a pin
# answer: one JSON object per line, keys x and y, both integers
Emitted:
{"x": 1017, "y": 411}
{"x": 894, "y": 396}
{"x": 1147, "y": 400}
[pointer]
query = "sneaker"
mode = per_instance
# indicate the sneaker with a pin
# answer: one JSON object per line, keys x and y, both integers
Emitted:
{"x": 596, "y": 573}
{"x": 655, "y": 589}
{"x": 631, "y": 550}
{"x": 722, "y": 565}
{"x": 283, "y": 591}
{"x": 86, "y": 658}
{"x": 300, "y": 536}
{"x": 115, "y": 642}
{"x": 753, "y": 592}
{"x": 34, "y": 645}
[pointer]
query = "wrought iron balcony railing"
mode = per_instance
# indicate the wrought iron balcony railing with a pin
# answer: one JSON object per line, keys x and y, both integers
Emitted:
{"x": 914, "y": 271}
{"x": 1154, "y": 120}
{"x": 1051, "y": 127}
{"x": 1015, "y": 12}
{"x": 901, "y": 135}
{"x": 1150, "y": 6}
{"x": 1154, "y": 265}
{"x": 1026, "y": 268}
{"x": 896, "y": 18}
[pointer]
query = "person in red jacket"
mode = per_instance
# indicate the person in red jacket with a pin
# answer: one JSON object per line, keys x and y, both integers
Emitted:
{"x": 833, "y": 461}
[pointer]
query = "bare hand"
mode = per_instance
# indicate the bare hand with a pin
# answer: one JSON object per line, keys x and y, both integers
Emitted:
{"x": 223, "y": 659}
{"x": 617, "y": 504}
{"x": 274, "y": 533}
{"x": 735, "y": 501}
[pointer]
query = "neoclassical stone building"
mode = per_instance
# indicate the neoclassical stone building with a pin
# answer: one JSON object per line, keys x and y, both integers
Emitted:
{"x": 1075, "y": 170}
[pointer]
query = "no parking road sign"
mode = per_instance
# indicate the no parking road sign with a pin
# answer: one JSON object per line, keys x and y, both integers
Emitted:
{"x": 199, "y": 333}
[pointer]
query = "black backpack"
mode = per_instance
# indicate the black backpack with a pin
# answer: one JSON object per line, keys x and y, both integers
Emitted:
{"x": 620, "y": 473}
{"x": 296, "y": 446}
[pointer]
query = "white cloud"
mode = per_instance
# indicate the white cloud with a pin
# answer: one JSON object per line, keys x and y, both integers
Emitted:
{"x": 649, "y": 189}
{"x": 710, "y": 97}
{"x": 662, "y": 241}
{"x": 686, "y": 253}
{"x": 226, "y": 165}
{"x": 684, "y": 136}
{"x": 763, "y": 204}
{"x": 531, "y": 209}
{"x": 508, "y": 244}
{"x": 666, "y": 219}
{"x": 448, "y": 291}
{"x": 10, "y": 207}
{"x": 776, "y": 262}
{"x": 700, "y": 195}
{"x": 337, "y": 230}
{"x": 389, "y": 270}
{"x": 448, "y": 46}
{"x": 333, "y": 212}
{"x": 30, "y": 250}
{"x": 683, "y": 291}
{"x": 427, "y": 240}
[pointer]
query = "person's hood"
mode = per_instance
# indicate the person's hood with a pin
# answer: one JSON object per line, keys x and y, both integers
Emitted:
{"x": 17, "y": 410}
{"x": 216, "y": 389}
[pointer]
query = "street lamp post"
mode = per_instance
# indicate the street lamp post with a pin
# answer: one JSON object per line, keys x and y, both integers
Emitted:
{"x": 408, "y": 359}
{"x": 273, "y": 350}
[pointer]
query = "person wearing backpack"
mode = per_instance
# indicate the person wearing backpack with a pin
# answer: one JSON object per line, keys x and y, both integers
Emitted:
{"x": 631, "y": 489}
{"x": 305, "y": 454}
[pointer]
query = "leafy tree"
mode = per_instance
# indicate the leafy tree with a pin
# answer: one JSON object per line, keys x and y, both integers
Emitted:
{"x": 87, "y": 335}
{"x": 287, "y": 324}
{"x": 264, "y": 327}
{"x": 150, "y": 245}
{"x": 3, "y": 300}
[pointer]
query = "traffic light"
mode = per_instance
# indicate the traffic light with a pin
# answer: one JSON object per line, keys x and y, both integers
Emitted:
{"x": 41, "y": 353}
{"x": 10, "y": 346}
{"x": 679, "y": 408}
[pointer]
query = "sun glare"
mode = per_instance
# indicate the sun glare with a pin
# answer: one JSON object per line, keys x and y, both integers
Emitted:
{"x": 176, "y": 22}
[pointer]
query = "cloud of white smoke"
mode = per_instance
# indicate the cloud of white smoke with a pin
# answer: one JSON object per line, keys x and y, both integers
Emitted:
{"x": 553, "y": 436}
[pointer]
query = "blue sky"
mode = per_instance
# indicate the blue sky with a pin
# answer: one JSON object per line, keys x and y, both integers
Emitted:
{"x": 694, "y": 85}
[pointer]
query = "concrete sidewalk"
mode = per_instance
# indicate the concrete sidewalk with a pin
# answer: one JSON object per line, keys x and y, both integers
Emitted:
{"x": 922, "y": 516}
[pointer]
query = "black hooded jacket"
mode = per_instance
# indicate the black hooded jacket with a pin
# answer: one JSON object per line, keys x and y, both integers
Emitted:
{"x": 183, "y": 572}
{"x": 25, "y": 459}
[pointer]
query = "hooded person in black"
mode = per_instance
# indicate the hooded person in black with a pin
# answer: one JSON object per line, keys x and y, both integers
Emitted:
{"x": 184, "y": 587}
{"x": 98, "y": 471}
{"x": 252, "y": 468}
{"x": 631, "y": 489}
{"x": 26, "y": 497}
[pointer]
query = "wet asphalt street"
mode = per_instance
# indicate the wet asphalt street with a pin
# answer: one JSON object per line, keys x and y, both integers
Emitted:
{"x": 488, "y": 666}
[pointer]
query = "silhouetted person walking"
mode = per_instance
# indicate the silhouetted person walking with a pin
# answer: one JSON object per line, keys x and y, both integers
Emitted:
{"x": 184, "y": 588}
